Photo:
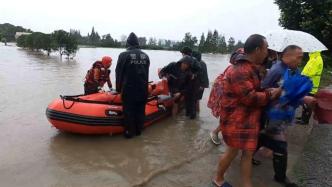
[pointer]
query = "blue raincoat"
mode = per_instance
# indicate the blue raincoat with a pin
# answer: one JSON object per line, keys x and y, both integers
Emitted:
{"x": 295, "y": 86}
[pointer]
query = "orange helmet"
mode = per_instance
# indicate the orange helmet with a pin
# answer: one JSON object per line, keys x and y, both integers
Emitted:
{"x": 106, "y": 61}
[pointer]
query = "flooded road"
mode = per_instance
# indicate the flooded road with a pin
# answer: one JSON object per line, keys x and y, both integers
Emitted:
{"x": 35, "y": 154}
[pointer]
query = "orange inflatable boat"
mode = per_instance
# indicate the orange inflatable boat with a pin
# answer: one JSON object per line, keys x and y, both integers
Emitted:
{"x": 101, "y": 113}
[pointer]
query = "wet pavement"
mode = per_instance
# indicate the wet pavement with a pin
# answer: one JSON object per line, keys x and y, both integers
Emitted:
{"x": 200, "y": 171}
{"x": 314, "y": 167}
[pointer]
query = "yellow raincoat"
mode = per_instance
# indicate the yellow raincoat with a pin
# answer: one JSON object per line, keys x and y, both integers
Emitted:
{"x": 313, "y": 69}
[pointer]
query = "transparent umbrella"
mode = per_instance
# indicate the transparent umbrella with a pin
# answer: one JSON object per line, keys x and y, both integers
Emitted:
{"x": 280, "y": 39}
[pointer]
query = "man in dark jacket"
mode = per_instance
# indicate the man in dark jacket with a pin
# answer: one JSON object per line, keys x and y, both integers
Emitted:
{"x": 177, "y": 74}
{"x": 192, "y": 88}
{"x": 132, "y": 77}
{"x": 203, "y": 79}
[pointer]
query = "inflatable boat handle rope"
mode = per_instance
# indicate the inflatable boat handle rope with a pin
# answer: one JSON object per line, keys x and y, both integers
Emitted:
{"x": 63, "y": 102}
{"x": 74, "y": 99}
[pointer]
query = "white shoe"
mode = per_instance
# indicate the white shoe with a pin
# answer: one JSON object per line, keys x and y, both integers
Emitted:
{"x": 214, "y": 138}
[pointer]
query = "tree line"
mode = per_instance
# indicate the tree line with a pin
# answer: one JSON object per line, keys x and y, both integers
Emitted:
{"x": 66, "y": 43}
{"x": 212, "y": 43}
{"x": 94, "y": 39}
{"x": 58, "y": 41}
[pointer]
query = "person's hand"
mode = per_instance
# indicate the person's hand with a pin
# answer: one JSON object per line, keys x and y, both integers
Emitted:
{"x": 275, "y": 92}
{"x": 310, "y": 101}
{"x": 177, "y": 95}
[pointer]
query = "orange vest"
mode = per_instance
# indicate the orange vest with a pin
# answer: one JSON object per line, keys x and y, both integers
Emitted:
{"x": 104, "y": 74}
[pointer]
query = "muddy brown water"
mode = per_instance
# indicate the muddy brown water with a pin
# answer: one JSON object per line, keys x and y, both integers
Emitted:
{"x": 35, "y": 154}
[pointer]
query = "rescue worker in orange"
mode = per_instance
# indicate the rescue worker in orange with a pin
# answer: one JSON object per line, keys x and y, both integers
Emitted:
{"x": 98, "y": 75}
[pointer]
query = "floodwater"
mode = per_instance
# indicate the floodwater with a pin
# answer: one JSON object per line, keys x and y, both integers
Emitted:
{"x": 32, "y": 153}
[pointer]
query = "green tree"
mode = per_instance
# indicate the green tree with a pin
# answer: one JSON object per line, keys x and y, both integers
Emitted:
{"x": 60, "y": 38}
{"x": 4, "y": 40}
{"x": 49, "y": 44}
{"x": 231, "y": 45}
{"x": 20, "y": 42}
{"x": 142, "y": 41}
{"x": 37, "y": 41}
{"x": 71, "y": 46}
{"x": 107, "y": 41}
{"x": 189, "y": 40}
{"x": 65, "y": 43}
{"x": 76, "y": 34}
{"x": 291, "y": 15}
{"x": 29, "y": 42}
{"x": 201, "y": 45}
{"x": 214, "y": 41}
{"x": 160, "y": 43}
{"x": 208, "y": 42}
{"x": 168, "y": 44}
{"x": 222, "y": 45}
{"x": 94, "y": 37}
{"x": 314, "y": 17}
{"x": 152, "y": 42}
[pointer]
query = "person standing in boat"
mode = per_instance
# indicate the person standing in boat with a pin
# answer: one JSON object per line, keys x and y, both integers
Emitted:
{"x": 98, "y": 75}
{"x": 132, "y": 77}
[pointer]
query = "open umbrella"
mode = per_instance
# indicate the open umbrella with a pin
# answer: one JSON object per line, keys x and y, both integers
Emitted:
{"x": 280, "y": 39}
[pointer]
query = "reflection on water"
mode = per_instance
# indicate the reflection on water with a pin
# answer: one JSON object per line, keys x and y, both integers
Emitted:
{"x": 31, "y": 149}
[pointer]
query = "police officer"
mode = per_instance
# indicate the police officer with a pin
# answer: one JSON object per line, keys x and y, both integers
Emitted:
{"x": 132, "y": 76}
{"x": 98, "y": 75}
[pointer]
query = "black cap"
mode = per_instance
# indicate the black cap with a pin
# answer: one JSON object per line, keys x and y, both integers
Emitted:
{"x": 186, "y": 50}
{"x": 132, "y": 40}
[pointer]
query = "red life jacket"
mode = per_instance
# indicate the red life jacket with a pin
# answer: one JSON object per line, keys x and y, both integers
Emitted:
{"x": 104, "y": 74}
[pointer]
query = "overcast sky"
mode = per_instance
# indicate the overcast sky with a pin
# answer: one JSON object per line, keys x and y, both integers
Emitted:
{"x": 166, "y": 19}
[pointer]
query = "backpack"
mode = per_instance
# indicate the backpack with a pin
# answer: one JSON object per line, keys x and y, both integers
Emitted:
{"x": 214, "y": 102}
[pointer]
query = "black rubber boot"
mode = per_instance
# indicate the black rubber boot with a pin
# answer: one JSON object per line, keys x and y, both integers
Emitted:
{"x": 280, "y": 167}
{"x": 127, "y": 135}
